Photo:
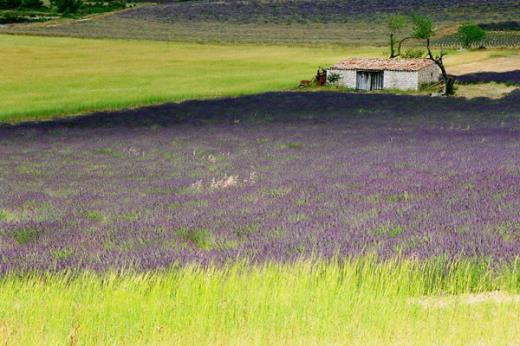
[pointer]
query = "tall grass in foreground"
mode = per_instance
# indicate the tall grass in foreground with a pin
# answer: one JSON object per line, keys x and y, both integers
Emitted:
{"x": 357, "y": 302}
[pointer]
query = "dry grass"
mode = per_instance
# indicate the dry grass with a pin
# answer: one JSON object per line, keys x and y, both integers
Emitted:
{"x": 494, "y": 297}
{"x": 487, "y": 60}
{"x": 489, "y": 90}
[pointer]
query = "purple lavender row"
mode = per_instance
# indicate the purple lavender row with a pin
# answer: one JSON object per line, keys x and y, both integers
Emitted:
{"x": 273, "y": 177}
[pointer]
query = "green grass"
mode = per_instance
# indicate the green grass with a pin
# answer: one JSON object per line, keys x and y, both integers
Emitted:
{"x": 25, "y": 235}
{"x": 49, "y": 77}
{"x": 200, "y": 237}
{"x": 46, "y": 77}
{"x": 359, "y": 302}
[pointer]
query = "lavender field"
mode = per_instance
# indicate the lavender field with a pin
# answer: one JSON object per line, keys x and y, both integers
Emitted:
{"x": 344, "y": 22}
{"x": 510, "y": 77}
{"x": 273, "y": 177}
{"x": 305, "y": 11}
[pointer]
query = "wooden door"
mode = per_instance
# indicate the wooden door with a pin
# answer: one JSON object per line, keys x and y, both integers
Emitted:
{"x": 363, "y": 80}
{"x": 376, "y": 80}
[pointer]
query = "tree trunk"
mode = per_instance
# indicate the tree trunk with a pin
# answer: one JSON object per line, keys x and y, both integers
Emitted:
{"x": 392, "y": 46}
{"x": 449, "y": 82}
{"x": 401, "y": 43}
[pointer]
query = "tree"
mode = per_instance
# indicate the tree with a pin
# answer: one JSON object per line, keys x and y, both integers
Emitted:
{"x": 32, "y": 3}
{"x": 412, "y": 53}
{"x": 423, "y": 30}
{"x": 422, "y": 27}
{"x": 10, "y": 4}
{"x": 395, "y": 24}
{"x": 470, "y": 34}
{"x": 67, "y": 6}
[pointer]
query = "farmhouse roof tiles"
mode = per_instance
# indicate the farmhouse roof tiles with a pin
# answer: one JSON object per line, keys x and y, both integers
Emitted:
{"x": 380, "y": 64}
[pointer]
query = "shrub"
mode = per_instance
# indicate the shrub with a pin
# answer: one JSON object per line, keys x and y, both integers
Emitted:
{"x": 412, "y": 53}
{"x": 470, "y": 34}
{"x": 200, "y": 237}
{"x": 95, "y": 215}
{"x": 25, "y": 235}
{"x": 293, "y": 145}
{"x": 62, "y": 254}
{"x": 501, "y": 26}
{"x": 67, "y": 6}
{"x": 247, "y": 230}
{"x": 9, "y": 4}
{"x": 390, "y": 231}
{"x": 8, "y": 216}
{"x": 333, "y": 78}
{"x": 32, "y": 3}
{"x": 101, "y": 6}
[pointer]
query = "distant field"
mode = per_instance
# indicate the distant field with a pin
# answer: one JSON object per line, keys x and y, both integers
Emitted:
{"x": 49, "y": 77}
{"x": 268, "y": 21}
{"x": 332, "y": 11}
{"x": 493, "y": 39}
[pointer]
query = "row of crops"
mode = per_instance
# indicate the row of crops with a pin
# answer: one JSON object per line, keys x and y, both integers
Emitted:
{"x": 322, "y": 11}
{"x": 498, "y": 39}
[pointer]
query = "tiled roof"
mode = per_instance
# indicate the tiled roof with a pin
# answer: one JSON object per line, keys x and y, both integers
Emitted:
{"x": 379, "y": 64}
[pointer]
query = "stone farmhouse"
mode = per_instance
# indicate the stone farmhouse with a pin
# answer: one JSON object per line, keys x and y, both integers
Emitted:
{"x": 378, "y": 73}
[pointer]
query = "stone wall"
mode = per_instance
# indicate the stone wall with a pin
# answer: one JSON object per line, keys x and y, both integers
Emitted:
{"x": 429, "y": 74}
{"x": 401, "y": 80}
{"x": 347, "y": 77}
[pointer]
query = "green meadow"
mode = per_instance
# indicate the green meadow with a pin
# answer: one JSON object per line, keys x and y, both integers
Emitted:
{"x": 362, "y": 302}
{"x": 49, "y": 77}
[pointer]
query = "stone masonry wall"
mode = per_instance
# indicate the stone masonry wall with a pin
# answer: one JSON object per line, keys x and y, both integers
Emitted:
{"x": 401, "y": 80}
{"x": 429, "y": 74}
{"x": 347, "y": 78}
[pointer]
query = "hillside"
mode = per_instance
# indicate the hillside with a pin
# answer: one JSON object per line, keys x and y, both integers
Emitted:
{"x": 270, "y": 21}
{"x": 321, "y": 11}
